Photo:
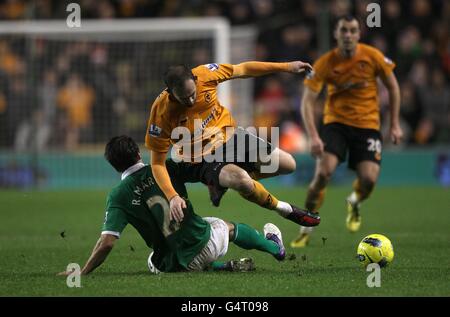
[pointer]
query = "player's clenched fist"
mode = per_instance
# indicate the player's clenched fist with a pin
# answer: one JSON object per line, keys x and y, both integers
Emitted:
{"x": 316, "y": 147}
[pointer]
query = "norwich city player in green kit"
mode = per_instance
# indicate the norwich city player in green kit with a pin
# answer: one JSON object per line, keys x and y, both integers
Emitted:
{"x": 180, "y": 241}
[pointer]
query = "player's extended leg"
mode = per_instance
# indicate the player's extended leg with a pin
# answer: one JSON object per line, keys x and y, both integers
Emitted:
{"x": 232, "y": 176}
{"x": 253, "y": 155}
{"x": 367, "y": 175}
{"x": 325, "y": 168}
{"x": 249, "y": 238}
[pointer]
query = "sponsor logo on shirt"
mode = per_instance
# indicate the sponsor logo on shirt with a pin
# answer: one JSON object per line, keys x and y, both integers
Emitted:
{"x": 154, "y": 130}
{"x": 212, "y": 67}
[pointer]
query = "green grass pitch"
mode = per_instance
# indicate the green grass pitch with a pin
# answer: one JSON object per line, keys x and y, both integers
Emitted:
{"x": 417, "y": 220}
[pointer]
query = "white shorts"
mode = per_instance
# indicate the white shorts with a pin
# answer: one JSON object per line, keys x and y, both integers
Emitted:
{"x": 216, "y": 247}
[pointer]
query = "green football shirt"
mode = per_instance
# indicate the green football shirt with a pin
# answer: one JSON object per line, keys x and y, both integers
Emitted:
{"x": 137, "y": 200}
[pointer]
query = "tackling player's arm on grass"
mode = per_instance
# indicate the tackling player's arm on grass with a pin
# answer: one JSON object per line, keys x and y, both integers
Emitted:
{"x": 115, "y": 223}
{"x": 101, "y": 250}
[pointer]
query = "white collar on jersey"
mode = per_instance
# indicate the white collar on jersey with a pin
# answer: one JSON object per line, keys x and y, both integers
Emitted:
{"x": 130, "y": 170}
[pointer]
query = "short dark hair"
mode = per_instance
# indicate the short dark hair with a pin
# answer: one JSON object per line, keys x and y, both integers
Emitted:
{"x": 122, "y": 152}
{"x": 175, "y": 77}
{"x": 348, "y": 18}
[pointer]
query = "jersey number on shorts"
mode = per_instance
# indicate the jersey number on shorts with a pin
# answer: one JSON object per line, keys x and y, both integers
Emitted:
{"x": 169, "y": 226}
{"x": 374, "y": 145}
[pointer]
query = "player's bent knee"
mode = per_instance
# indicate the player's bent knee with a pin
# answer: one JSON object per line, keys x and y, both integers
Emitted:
{"x": 236, "y": 178}
{"x": 289, "y": 165}
{"x": 244, "y": 184}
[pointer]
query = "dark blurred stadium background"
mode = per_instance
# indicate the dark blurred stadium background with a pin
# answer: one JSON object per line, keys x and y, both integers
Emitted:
{"x": 63, "y": 95}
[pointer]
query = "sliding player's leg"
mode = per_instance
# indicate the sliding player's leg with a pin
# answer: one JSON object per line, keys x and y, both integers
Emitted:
{"x": 248, "y": 238}
{"x": 249, "y": 152}
{"x": 243, "y": 236}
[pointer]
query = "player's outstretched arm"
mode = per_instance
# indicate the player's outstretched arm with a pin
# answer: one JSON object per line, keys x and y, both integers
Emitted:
{"x": 101, "y": 250}
{"x": 391, "y": 83}
{"x": 309, "y": 100}
{"x": 100, "y": 253}
{"x": 162, "y": 178}
{"x": 255, "y": 69}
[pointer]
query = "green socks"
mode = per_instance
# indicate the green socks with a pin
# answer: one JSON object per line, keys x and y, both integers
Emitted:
{"x": 248, "y": 238}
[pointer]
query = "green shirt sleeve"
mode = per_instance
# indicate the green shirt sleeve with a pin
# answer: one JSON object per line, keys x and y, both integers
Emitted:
{"x": 115, "y": 219}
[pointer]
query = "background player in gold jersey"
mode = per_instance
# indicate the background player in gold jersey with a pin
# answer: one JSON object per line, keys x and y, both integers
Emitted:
{"x": 351, "y": 118}
{"x": 191, "y": 96}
